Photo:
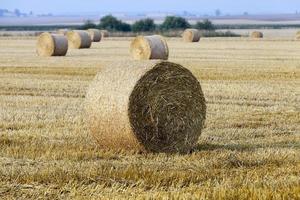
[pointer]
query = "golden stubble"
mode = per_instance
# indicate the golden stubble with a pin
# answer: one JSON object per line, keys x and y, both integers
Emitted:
{"x": 249, "y": 148}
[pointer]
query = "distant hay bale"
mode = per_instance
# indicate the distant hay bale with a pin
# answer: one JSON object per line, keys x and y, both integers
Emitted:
{"x": 149, "y": 47}
{"x": 191, "y": 35}
{"x": 146, "y": 106}
{"x": 62, "y": 31}
{"x": 297, "y": 35}
{"x": 79, "y": 39}
{"x": 52, "y": 45}
{"x": 257, "y": 34}
{"x": 104, "y": 33}
{"x": 95, "y": 35}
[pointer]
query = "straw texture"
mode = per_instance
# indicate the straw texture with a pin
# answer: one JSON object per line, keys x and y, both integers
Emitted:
{"x": 52, "y": 45}
{"x": 149, "y": 47}
{"x": 151, "y": 106}
{"x": 257, "y": 34}
{"x": 297, "y": 35}
{"x": 191, "y": 35}
{"x": 79, "y": 39}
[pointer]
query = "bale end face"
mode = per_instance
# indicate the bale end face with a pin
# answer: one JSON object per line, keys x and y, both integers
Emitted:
{"x": 167, "y": 109}
{"x": 191, "y": 35}
{"x": 79, "y": 39}
{"x": 140, "y": 48}
{"x": 297, "y": 37}
{"x": 52, "y": 45}
{"x": 157, "y": 108}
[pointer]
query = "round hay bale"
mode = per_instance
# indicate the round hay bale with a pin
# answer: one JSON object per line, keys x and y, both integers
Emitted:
{"x": 79, "y": 39}
{"x": 149, "y": 47}
{"x": 146, "y": 106}
{"x": 104, "y": 33}
{"x": 62, "y": 31}
{"x": 257, "y": 34}
{"x": 297, "y": 35}
{"x": 52, "y": 45}
{"x": 95, "y": 35}
{"x": 191, "y": 35}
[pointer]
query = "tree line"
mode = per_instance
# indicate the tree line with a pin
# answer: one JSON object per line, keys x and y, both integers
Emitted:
{"x": 111, "y": 23}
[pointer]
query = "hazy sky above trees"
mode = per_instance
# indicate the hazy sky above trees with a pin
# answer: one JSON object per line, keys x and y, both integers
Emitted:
{"x": 200, "y": 6}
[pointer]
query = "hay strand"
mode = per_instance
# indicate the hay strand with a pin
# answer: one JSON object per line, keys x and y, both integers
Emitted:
{"x": 95, "y": 35}
{"x": 149, "y": 47}
{"x": 152, "y": 106}
{"x": 191, "y": 35}
{"x": 52, "y": 45}
{"x": 79, "y": 39}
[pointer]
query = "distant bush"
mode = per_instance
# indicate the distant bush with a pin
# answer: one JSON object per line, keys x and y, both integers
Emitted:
{"x": 205, "y": 25}
{"x": 219, "y": 34}
{"x": 168, "y": 23}
{"x": 111, "y": 23}
{"x": 175, "y": 23}
{"x": 144, "y": 25}
{"x": 88, "y": 24}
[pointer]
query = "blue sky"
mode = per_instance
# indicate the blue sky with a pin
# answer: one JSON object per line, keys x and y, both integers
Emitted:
{"x": 200, "y": 6}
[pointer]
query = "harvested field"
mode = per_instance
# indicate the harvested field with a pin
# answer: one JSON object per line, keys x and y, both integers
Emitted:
{"x": 249, "y": 149}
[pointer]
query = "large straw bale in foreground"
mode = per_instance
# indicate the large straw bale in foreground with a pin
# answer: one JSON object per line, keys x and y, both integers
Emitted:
{"x": 52, "y": 45}
{"x": 257, "y": 34}
{"x": 149, "y": 47}
{"x": 79, "y": 39}
{"x": 191, "y": 35}
{"x": 95, "y": 35}
{"x": 146, "y": 106}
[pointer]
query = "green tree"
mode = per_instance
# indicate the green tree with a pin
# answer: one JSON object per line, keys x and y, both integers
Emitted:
{"x": 143, "y": 25}
{"x": 88, "y": 24}
{"x": 175, "y": 23}
{"x": 124, "y": 27}
{"x": 111, "y": 23}
{"x": 205, "y": 25}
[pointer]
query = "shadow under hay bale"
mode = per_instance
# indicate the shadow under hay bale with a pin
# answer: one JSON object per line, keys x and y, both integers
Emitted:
{"x": 52, "y": 45}
{"x": 191, "y": 35}
{"x": 257, "y": 34}
{"x": 151, "y": 106}
{"x": 95, "y": 35}
{"x": 149, "y": 47}
{"x": 79, "y": 39}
